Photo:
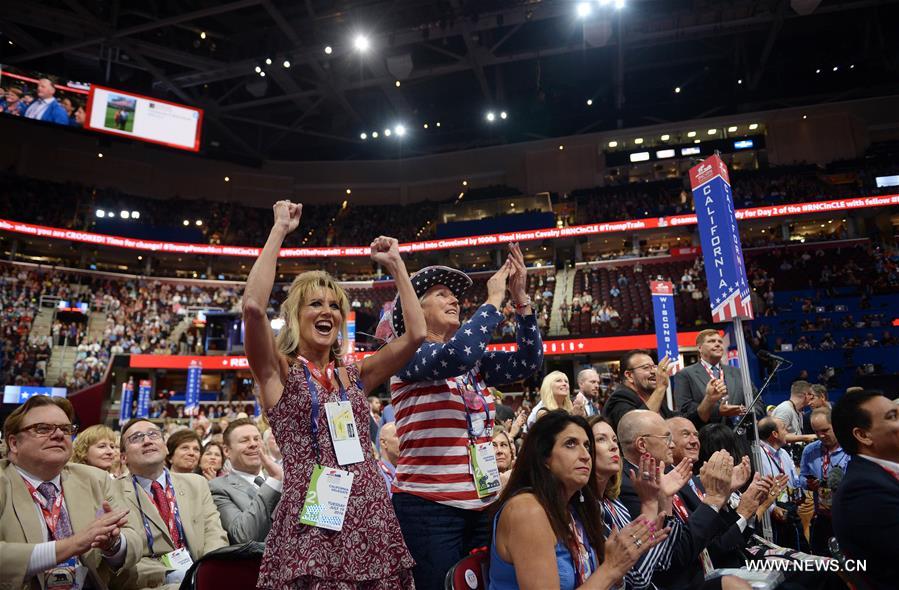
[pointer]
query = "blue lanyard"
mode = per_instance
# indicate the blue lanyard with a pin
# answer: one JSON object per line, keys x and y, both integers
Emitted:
{"x": 313, "y": 392}
{"x": 147, "y": 531}
{"x": 484, "y": 406}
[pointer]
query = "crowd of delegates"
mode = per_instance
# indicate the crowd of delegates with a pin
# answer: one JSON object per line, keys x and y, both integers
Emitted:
{"x": 141, "y": 316}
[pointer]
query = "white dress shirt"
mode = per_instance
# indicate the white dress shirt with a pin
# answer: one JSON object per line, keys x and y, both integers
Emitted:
{"x": 271, "y": 482}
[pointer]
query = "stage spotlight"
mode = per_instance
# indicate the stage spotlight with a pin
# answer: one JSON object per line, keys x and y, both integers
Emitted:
{"x": 691, "y": 134}
{"x": 438, "y": 123}
{"x": 202, "y": 34}
{"x": 99, "y": 154}
{"x": 199, "y": 222}
{"x": 503, "y": 115}
{"x": 491, "y": 117}
{"x": 561, "y": 148}
{"x": 349, "y": 191}
{"x": 805, "y": 116}
{"x": 835, "y": 68}
{"x": 363, "y": 136}
{"x": 135, "y": 215}
{"x": 425, "y": 125}
{"x": 613, "y": 144}
{"x": 101, "y": 213}
{"x": 262, "y": 74}
{"x": 740, "y": 81}
{"x": 268, "y": 61}
{"x": 666, "y": 137}
{"x": 397, "y": 83}
{"x": 589, "y": 102}
{"x": 286, "y": 64}
{"x": 328, "y": 50}
{"x": 227, "y": 179}
{"x": 583, "y": 9}
{"x": 753, "y": 126}
{"x": 818, "y": 71}
{"x": 361, "y": 43}
{"x": 677, "y": 89}
{"x": 638, "y": 141}
{"x": 712, "y": 131}
{"x": 400, "y": 130}
{"x": 374, "y": 134}
{"x": 732, "y": 129}
{"x": 464, "y": 183}
{"x": 258, "y": 69}
{"x": 185, "y": 222}
{"x": 125, "y": 214}
{"x": 387, "y": 132}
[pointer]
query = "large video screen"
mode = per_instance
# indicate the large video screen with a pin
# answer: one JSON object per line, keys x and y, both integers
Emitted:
{"x": 144, "y": 118}
{"x": 38, "y": 96}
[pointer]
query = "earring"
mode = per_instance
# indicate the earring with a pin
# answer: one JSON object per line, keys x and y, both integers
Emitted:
{"x": 582, "y": 497}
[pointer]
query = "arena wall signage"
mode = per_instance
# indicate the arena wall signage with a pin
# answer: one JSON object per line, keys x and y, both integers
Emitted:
{"x": 591, "y": 229}
{"x": 568, "y": 346}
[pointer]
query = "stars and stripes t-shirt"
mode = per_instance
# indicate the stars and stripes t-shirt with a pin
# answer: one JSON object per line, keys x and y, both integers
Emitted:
{"x": 431, "y": 422}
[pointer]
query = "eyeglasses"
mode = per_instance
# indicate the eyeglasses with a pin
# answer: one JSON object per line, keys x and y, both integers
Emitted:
{"x": 647, "y": 367}
{"x": 138, "y": 437}
{"x": 668, "y": 438}
{"x": 43, "y": 429}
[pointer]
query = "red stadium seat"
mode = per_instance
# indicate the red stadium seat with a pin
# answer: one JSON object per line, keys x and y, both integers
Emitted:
{"x": 470, "y": 573}
{"x": 226, "y": 571}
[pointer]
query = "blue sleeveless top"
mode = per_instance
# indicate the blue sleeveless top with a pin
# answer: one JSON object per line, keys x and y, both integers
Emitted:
{"x": 502, "y": 573}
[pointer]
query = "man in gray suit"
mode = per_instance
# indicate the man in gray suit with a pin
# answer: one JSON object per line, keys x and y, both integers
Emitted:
{"x": 711, "y": 391}
{"x": 245, "y": 498}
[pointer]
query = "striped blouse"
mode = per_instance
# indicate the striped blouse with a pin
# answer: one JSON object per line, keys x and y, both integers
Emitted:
{"x": 431, "y": 419}
{"x": 639, "y": 577}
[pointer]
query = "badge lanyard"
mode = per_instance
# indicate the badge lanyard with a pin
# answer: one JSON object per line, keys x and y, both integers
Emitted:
{"x": 173, "y": 510}
{"x": 324, "y": 379}
{"x": 711, "y": 375}
{"x": 313, "y": 393}
{"x": 580, "y": 553}
{"x": 51, "y": 513}
{"x": 487, "y": 431}
{"x": 775, "y": 460}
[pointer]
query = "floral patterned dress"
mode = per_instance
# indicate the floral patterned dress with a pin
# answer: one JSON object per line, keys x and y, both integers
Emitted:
{"x": 369, "y": 552}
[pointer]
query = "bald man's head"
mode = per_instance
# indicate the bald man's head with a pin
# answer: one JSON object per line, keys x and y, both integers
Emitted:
{"x": 686, "y": 438}
{"x": 642, "y": 431}
{"x": 390, "y": 443}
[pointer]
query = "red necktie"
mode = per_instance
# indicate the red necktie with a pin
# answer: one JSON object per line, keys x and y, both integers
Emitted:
{"x": 162, "y": 504}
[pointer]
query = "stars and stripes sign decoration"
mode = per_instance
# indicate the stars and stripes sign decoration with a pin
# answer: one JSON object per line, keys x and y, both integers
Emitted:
{"x": 192, "y": 392}
{"x": 721, "y": 249}
{"x": 143, "y": 398}
{"x": 663, "y": 314}
{"x": 127, "y": 399}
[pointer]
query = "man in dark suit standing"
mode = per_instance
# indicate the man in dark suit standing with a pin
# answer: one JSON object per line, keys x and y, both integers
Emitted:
{"x": 866, "y": 504}
{"x": 710, "y": 391}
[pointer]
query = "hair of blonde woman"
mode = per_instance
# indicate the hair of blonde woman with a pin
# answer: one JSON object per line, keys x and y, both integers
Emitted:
{"x": 300, "y": 292}
{"x": 88, "y": 438}
{"x": 546, "y": 393}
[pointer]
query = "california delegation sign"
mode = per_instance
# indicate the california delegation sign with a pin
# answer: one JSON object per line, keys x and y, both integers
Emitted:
{"x": 721, "y": 250}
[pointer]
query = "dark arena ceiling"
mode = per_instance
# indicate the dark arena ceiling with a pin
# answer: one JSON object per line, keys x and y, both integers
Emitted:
{"x": 551, "y": 71}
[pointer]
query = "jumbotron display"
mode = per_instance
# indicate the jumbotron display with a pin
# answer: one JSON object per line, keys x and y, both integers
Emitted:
{"x": 38, "y": 96}
{"x": 144, "y": 118}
